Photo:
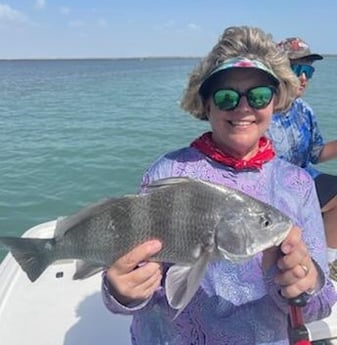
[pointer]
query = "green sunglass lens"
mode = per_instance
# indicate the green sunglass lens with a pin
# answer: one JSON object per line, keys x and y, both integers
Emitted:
{"x": 260, "y": 97}
{"x": 226, "y": 99}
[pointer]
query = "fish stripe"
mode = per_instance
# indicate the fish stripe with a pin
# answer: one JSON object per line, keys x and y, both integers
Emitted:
{"x": 139, "y": 218}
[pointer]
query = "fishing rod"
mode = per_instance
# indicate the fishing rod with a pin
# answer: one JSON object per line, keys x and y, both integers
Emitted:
{"x": 297, "y": 331}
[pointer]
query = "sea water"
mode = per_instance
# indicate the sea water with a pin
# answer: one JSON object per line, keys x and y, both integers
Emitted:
{"x": 75, "y": 131}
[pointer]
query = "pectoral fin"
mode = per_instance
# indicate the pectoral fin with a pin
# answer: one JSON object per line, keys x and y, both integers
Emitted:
{"x": 182, "y": 282}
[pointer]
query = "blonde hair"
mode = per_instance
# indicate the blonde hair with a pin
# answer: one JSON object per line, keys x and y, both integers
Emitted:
{"x": 251, "y": 43}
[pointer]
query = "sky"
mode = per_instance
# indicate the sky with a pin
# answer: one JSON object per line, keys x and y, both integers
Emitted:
{"x": 32, "y": 29}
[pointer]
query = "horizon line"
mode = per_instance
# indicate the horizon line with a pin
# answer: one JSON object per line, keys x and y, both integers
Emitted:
{"x": 119, "y": 58}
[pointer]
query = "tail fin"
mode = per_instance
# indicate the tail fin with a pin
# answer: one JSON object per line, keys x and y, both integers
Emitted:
{"x": 34, "y": 255}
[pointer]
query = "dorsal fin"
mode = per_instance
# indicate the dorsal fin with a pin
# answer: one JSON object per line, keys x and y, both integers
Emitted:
{"x": 63, "y": 224}
{"x": 167, "y": 182}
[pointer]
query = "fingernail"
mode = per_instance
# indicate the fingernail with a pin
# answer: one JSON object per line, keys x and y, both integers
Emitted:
{"x": 155, "y": 245}
{"x": 286, "y": 249}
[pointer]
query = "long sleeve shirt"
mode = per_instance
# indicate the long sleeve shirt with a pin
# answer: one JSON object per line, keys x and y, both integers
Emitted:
{"x": 235, "y": 303}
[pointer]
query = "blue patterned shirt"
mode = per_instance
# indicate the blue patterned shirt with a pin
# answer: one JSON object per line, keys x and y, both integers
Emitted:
{"x": 296, "y": 136}
{"x": 236, "y": 303}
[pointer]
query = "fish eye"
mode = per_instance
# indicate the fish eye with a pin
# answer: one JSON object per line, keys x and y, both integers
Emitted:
{"x": 265, "y": 221}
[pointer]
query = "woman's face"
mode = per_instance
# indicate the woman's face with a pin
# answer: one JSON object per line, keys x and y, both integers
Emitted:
{"x": 238, "y": 131}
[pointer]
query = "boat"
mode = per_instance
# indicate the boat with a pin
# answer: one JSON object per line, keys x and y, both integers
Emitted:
{"x": 57, "y": 310}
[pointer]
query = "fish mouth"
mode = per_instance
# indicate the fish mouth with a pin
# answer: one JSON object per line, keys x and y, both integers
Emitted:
{"x": 284, "y": 234}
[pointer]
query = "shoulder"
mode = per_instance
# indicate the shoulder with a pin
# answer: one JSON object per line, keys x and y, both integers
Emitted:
{"x": 301, "y": 105}
{"x": 298, "y": 107}
{"x": 294, "y": 193}
{"x": 281, "y": 166}
{"x": 168, "y": 164}
{"x": 294, "y": 178}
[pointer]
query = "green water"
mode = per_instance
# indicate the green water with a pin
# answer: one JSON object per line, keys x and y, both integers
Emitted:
{"x": 72, "y": 132}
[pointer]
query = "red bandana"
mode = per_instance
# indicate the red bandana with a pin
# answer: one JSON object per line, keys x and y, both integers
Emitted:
{"x": 207, "y": 146}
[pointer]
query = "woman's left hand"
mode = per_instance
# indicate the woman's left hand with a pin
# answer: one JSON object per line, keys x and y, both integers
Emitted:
{"x": 298, "y": 273}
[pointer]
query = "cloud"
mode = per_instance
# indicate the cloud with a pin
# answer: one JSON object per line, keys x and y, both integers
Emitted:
{"x": 102, "y": 23}
{"x": 76, "y": 23}
{"x": 65, "y": 10}
{"x": 165, "y": 26}
{"x": 40, "y": 4}
{"x": 11, "y": 17}
{"x": 171, "y": 23}
{"x": 193, "y": 27}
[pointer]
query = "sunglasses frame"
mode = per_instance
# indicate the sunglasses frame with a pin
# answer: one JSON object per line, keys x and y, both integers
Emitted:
{"x": 299, "y": 69}
{"x": 272, "y": 88}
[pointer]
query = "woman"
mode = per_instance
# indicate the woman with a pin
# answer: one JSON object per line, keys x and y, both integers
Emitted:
{"x": 237, "y": 87}
{"x": 297, "y": 138}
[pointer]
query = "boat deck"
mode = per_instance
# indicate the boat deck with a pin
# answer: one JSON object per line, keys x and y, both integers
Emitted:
{"x": 59, "y": 310}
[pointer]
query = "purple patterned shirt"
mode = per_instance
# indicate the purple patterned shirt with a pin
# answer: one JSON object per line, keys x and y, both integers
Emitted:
{"x": 236, "y": 303}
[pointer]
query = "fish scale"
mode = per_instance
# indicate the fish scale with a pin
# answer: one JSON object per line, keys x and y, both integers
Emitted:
{"x": 184, "y": 212}
{"x": 195, "y": 220}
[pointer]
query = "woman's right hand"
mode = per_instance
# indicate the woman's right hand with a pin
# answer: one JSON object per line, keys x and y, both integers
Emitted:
{"x": 133, "y": 278}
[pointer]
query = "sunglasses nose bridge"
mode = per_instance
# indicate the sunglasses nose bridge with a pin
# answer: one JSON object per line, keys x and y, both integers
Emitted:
{"x": 303, "y": 76}
{"x": 243, "y": 102}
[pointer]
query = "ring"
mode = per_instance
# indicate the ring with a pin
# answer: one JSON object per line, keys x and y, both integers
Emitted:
{"x": 305, "y": 269}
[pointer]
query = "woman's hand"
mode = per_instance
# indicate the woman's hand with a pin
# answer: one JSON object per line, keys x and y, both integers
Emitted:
{"x": 132, "y": 277}
{"x": 298, "y": 273}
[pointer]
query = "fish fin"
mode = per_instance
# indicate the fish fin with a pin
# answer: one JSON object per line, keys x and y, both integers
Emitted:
{"x": 182, "y": 282}
{"x": 34, "y": 255}
{"x": 63, "y": 224}
{"x": 58, "y": 232}
{"x": 85, "y": 270}
{"x": 166, "y": 182}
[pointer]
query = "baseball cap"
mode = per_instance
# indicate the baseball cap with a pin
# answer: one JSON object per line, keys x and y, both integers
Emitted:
{"x": 237, "y": 62}
{"x": 296, "y": 48}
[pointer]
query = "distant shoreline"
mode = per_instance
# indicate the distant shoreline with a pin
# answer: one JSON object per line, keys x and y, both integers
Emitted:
{"x": 141, "y": 58}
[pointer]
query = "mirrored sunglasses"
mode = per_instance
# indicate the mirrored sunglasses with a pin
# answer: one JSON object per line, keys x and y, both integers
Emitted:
{"x": 308, "y": 70}
{"x": 258, "y": 97}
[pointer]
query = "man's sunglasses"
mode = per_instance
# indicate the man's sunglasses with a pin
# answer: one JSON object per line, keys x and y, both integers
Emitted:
{"x": 258, "y": 97}
{"x": 308, "y": 70}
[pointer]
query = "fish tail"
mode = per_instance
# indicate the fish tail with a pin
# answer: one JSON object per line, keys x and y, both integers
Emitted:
{"x": 32, "y": 254}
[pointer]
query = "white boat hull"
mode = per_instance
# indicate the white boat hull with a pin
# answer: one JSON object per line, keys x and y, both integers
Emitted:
{"x": 57, "y": 310}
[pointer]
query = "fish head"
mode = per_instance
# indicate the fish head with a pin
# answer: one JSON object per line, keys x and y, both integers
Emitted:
{"x": 249, "y": 230}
